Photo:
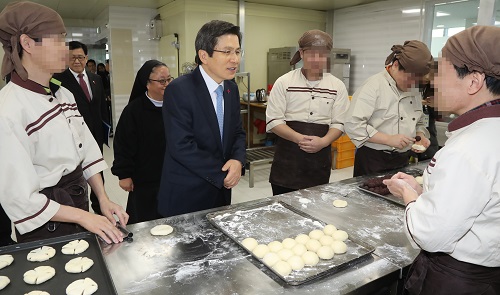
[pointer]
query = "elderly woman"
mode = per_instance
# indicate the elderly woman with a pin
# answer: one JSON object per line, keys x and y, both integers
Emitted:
{"x": 48, "y": 154}
{"x": 139, "y": 143}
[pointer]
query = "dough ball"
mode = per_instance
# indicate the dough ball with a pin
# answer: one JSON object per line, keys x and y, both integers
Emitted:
{"x": 41, "y": 254}
{"x": 288, "y": 243}
{"x": 83, "y": 286}
{"x": 296, "y": 262}
{"x": 4, "y": 281}
{"x": 284, "y": 254}
{"x": 36, "y": 292}
{"x": 271, "y": 259}
{"x": 325, "y": 252}
{"x": 313, "y": 245}
{"x": 339, "y": 247}
{"x": 326, "y": 240}
{"x": 299, "y": 249}
{"x": 161, "y": 230}
{"x": 6, "y": 260}
{"x": 302, "y": 239}
{"x": 249, "y": 243}
{"x": 75, "y": 247}
{"x": 310, "y": 258}
{"x": 275, "y": 246}
{"x": 339, "y": 203}
{"x": 418, "y": 147}
{"x": 340, "y": 235}
{"x": 78, "y": 265}
{"x": 329, "y": 229}
{"x": 282, "y": 268}
{"x": 420, "y": 180}
{"x": 316, "y": 234}
{"x": 39, "y": 275}
{"x": 260, "y": 251}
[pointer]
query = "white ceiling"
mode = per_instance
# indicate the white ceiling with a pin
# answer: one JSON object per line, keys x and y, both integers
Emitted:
{"x": 88, "y": 9}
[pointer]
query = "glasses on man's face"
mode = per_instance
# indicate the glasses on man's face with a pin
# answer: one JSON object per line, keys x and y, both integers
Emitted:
{"x": 228, "y": 53}
{"x": 163, "y": 81}
{"x": 79, "y": 57}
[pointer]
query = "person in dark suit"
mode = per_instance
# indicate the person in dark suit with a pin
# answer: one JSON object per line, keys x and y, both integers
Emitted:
{"x": 202, "y": 160}
{"x": 90, "y": 99}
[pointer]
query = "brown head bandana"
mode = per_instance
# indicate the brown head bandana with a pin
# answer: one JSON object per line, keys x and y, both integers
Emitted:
{"x": 475, "y": 48}
{"x": 312, "y": 38}
{"x": 28, "y": 18}
{"x": 414, "y": 56}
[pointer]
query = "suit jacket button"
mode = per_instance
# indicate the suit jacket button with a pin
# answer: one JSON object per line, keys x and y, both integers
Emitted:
{"x": 80, "y": 145}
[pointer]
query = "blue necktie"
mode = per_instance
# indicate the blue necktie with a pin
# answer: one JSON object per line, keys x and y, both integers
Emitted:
{"x": 219, "y": 110}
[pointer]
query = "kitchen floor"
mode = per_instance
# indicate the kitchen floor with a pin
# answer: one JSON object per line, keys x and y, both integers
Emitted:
{"x": 241, "y": 193}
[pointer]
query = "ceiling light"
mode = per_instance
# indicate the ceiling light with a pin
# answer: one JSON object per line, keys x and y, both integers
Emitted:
{"x": 77, "y": 34}
{"x": 416, "y": 10}
{"x": 440, "y": 26}
{"x": 439, "y": 13}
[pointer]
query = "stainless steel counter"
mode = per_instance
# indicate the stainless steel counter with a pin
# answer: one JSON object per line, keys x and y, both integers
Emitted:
{"x": 199, "y": 259}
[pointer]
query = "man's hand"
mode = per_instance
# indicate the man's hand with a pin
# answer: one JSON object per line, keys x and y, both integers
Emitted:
{"x": 110, "y": 208}
{"x": 404, "y": 186}
{"x": 399, "y": 141}
{"x": 234, "y": 173}
{"x": 312, "y": 144}
{"x": 127, "y": 184}
{"x": 424, "y": 141}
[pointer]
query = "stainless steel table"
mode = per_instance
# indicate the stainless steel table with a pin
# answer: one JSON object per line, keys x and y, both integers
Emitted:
{"x": 198, "y": 259}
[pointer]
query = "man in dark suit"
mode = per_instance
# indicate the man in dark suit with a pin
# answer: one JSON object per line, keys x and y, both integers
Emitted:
{"x": 88, "y": 90}
{"x": 205, "y": 139}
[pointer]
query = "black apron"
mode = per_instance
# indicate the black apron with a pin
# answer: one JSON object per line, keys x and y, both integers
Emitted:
{"x": 72, "y": 191}
{"x": 369, "y": 161}
{"x": 441, "y": 274}
{"x": 293, "y": 168}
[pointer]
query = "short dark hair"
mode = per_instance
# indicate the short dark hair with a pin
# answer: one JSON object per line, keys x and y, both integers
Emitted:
{"x": 91, "y": 61}
{"x": 75, "y": 45}
{"x": 209, "y": 34}
{"x": 492, "y": 83}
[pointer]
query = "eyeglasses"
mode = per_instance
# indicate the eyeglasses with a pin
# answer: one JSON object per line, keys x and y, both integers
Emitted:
{"x": 163, "y": 81}
{"x": 228, "y": 53}
{"x": 79, "y": 57}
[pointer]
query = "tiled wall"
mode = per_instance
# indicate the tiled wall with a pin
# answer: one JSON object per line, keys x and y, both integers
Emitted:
{"x": 126, "y": 64}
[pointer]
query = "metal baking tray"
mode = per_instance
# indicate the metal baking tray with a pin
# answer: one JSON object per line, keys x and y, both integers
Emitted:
{"x": 390, "y": 197}
{"x": 274, "y": 221}
{"x": 57, "y": 285}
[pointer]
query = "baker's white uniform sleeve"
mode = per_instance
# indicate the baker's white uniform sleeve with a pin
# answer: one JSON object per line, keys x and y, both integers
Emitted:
{"x": 458, "y": 193}
{"x": 360, "y": 111}
{"x": 276, "y": 105}
{"x": 19, "y": 183}
{"x": 340, "y": 107}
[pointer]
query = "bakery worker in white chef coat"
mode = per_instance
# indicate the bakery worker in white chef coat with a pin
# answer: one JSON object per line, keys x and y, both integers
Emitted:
{"x": 306, "y": 110}
{"x": 47, "y": 152}
{"x": 385, "y": 116}
{"x": 455, "y": 217}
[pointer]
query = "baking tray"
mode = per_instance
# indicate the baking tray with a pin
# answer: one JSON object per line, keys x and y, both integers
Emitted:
{"x": 274, "y": 221}
{"x": 57, "y": 285}
{"x": 390, "y": 197}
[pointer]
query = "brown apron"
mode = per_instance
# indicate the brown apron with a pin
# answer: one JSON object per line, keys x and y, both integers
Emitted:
{"x": 441, "y": 274}
{"x": 293, "y": 168}
{"x": 72, "y": 191}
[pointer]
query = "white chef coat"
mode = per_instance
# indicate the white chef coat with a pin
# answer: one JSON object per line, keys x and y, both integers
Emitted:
{"x": 379, "y": 106}
{"x": 43, "y": 138}
{"x": 459, "y": 211}
{"x": 294, "y": 98}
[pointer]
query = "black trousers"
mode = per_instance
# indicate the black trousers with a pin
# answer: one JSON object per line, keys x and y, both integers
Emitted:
{"x": 278, "y": 190}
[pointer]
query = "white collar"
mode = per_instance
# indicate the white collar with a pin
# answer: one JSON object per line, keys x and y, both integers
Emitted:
{"x": 211, "y": 84}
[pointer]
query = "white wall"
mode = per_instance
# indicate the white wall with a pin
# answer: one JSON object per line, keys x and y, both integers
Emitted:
{"x": 371, "y": 30}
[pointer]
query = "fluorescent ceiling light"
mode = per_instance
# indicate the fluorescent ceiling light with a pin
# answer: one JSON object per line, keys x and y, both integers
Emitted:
{"x": 416, "y": 10}
{"x": 439, "y": 13}
{"x": 77, "y": 34}
{"x": 440, "y": 26}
